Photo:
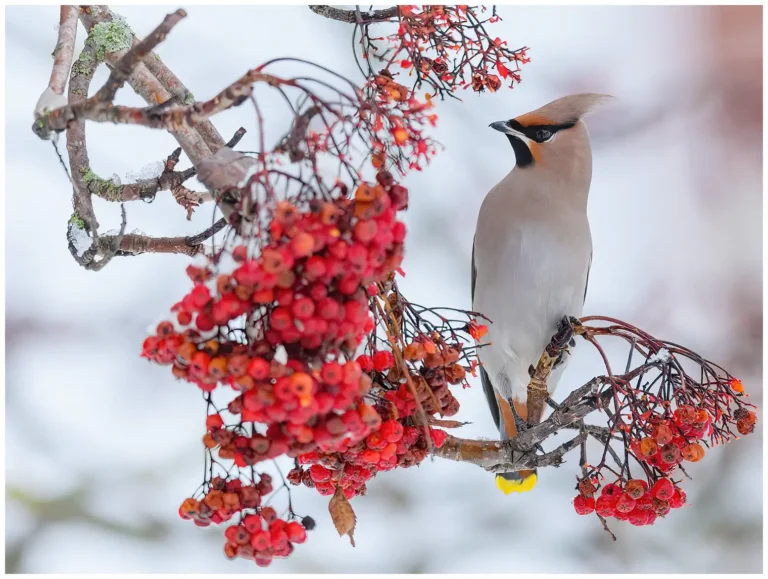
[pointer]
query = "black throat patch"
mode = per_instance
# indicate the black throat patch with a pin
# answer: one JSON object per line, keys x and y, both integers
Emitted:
{"x": 536, "y": 133}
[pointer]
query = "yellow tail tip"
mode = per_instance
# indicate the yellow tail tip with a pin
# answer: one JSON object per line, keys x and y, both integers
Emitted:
{"x": 515, "y": 486}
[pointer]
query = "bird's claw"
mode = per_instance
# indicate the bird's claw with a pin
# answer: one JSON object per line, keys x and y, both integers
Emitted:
{"x": 552, "y": 404}
{"x": 520, "y": 424}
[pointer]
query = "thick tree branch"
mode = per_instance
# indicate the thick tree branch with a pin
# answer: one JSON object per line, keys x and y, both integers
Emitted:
{"x": 355, "y": 16}
{"x": 176, "y": 119}
{"x": 519, "y": 453}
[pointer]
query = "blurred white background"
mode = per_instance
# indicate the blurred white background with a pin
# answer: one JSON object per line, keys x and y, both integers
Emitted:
{"x": 102, "y": 447}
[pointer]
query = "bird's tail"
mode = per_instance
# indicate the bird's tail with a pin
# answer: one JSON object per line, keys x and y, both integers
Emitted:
{"x": 516, "y": 482}
{"x": 520, "y": 481}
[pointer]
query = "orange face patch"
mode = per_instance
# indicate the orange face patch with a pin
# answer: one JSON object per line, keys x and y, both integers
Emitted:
{"x": 535, "y": 149}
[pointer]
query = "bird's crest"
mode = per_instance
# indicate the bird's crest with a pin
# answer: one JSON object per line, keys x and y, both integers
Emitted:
{"x": 565, "y": 110}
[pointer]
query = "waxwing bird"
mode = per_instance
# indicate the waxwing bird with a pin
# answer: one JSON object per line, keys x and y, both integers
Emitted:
{"x": 531, "y": 257}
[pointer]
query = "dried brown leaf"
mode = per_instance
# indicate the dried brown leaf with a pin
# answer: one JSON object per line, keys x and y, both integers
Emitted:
{"x": 342, "y": 514}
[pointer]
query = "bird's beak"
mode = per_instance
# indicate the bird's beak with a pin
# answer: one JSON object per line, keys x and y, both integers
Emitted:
{"x": 503, "y": 127}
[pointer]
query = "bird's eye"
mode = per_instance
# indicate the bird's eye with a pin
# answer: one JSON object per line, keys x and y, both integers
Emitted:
{"x": 543, "y": 135}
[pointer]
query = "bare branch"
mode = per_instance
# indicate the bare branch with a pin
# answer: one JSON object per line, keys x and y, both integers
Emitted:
{"x": 143, "y": 82}
{"x": 122, "y": 245}
{"x": 355, "y": 16}
{"x": 519, "y": 453}
{"x": 176, "y": 119}
{"x": 127, "y": 64}
{"x": 82, "y": 73}
{"x": 53, "y": 96}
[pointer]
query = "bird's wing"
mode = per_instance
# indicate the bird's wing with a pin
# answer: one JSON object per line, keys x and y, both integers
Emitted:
{"x": 474, "y": 273}
{"x": 490, "y": 394}
{"x": 586, "y": 284}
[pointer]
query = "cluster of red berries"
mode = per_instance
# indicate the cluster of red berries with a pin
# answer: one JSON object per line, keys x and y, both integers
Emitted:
{"x": 452, "y": 33}
{"x": 260, "y": 535}
{"x": 392, "y": 446}
{"x": 672, "y": 440}
{"x": 307, "y": 292}
{"x": 634, "y": 500}
{"x": 224, "y": 499}
{"x": 397, "y": 123}
{"x": 397, "y": 441}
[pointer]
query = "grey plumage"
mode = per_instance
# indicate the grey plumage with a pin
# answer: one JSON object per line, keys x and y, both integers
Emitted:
{"x": 532, "y": 249}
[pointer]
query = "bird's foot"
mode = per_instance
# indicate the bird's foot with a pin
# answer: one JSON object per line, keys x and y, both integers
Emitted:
{"x": 564, "y": 333}
{"x": 552, "y": 404}
{"x": 520, "y": 424}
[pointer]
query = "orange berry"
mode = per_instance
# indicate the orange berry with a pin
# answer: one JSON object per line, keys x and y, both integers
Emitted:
{"x": 662, "y": 434}
{"x": 400, "y": 135}
{"x": 301, "y": 384}
{"x": 648, "y": 447}
{"x": 693, "y": 452}
{"x": 378, "y": 160}
{"x": 186, "y": 352}
{"x": 303, "y": 244}
{"x": 737, "y": 386}
{"x": 217, "y": 367}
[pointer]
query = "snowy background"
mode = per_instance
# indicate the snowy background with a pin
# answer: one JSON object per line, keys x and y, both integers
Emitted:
{"x": 102, "y": 447}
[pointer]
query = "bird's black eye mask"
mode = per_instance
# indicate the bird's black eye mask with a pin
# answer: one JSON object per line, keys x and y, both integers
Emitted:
{"x": 537, "y": 133}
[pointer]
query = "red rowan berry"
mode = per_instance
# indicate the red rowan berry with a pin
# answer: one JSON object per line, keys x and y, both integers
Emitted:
{"x": 605, "y": 505}
{"x": 213, "y": 422}
{"x": 184, "y": 318}
{"x": 391, "y": 431}
{"x": 625, "y": 503}
{"x": 383, "y": 360}
{"x": 611, "y": 490}
{"x": 636, "y": 488}
{"x": 252, "y": 523}
{"x": 662, "y": 489}
{"x": 677, "y": 499}
{"x": 261, "y": 541}
{"x": 296, "y": 532}
{"x": 684, "y": 415}
{"x": 693, "y": 452}
{"x": 319, "y": 473}
{"x": 204, "y": 322}
{"x": 660, "y": 507}
{"x": 639, "y": 517}
{"x": 303, "y": 308}
{"x": 670, "y": 453}
{"x": 648, "y": 447}
{"x": 268, "y": 514}
{"x": 662, "y": 434}
{"x": 584, "y": 505}
{"x": 745, "y": 426}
